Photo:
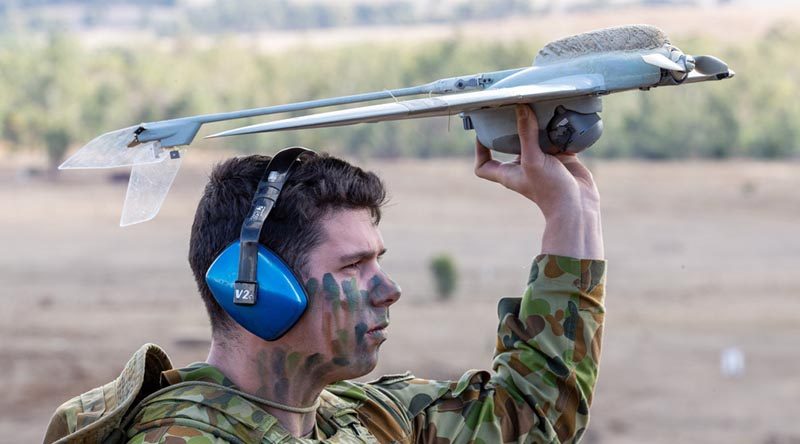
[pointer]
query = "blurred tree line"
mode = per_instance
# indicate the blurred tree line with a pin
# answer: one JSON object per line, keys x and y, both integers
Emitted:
{"x": 56, "y": 95}
{"x": 254, "y": 15}
{"x": 224, "y": 16}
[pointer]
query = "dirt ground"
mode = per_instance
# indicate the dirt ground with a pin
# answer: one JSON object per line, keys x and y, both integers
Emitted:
{"x": 702, "y": 257}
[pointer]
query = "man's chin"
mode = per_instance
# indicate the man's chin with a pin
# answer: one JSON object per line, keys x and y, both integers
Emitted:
{"x": 360, "y": 363}
{"x": 363, "y": 366}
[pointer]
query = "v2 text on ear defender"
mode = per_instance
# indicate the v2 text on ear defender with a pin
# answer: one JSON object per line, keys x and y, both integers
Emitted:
{"x": 250, "y": 282}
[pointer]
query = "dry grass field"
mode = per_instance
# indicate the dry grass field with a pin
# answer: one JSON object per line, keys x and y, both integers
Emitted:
{"x": 702, "y": 256}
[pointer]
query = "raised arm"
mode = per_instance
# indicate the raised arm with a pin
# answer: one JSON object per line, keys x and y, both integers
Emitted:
{"x": 559, "y": 185}
{"x": 548, "y": 344}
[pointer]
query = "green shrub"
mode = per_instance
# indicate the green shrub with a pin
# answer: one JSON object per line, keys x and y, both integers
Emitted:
{"x": 445, "y": 275}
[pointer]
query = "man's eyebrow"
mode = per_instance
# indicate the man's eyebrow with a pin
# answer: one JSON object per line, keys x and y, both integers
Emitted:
{"x": 359, "y": 255}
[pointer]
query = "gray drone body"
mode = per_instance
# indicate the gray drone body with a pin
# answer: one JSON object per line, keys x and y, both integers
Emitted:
{"x": 564, "y": 87}
{"x": 571, "y": 75}
{"x": 599, "y": 63}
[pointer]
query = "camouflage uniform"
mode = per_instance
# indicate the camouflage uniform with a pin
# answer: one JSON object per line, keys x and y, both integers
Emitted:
{"x": 545, "y": 369}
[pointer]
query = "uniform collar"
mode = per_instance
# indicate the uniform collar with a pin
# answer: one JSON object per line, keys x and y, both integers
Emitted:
{"x": 203, "y": 371}
{"x": 197, "y": 371}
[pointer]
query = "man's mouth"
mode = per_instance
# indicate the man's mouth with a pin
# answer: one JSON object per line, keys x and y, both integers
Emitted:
{"x": 378, "y": 327}
{"x": 378, "y": 331}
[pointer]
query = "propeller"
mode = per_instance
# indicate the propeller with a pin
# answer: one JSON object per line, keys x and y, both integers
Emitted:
{"x": 662, "y": 61}
{"x": 680, "y": 65}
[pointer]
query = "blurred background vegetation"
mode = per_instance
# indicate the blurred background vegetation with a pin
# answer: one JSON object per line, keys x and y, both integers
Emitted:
{"x": 445, "y": 275}
{"x": 57, "y": 92}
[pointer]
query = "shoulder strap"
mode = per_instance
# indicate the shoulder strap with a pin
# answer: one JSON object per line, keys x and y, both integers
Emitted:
{"x": 385, "y": 418}
{"x": 336, "y": 410}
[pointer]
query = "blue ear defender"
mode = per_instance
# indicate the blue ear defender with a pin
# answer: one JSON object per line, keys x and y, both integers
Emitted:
{"x": 278, "y": 302}
{"x": 250, "y": 282}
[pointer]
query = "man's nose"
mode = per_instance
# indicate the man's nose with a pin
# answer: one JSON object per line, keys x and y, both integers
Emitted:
{"x": 383, "y": 291}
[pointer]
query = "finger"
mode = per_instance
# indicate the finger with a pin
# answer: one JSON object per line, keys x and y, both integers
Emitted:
{"x": 528, "y": 130}
{"x": 482, "y": 154}
{"x": 486, "y": 167}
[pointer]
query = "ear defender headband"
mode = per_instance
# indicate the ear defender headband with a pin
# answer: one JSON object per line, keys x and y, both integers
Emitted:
{"x": 250, "y": 282}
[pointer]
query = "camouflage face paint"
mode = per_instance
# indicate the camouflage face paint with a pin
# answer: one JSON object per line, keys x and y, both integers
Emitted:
{"x": 312, "y": 286}
{"x": 330, "y": 289}
{"x": 311, "y": 362}
{"x": 353, "y": 295}
{"x": 272, "y": 364}
{"x": 281, "y": 370}
{"x": 349, "y": 315}
{"x": 340, "y": 347}
{"x": 361, "y": 330}
{"x": 278, "y": 361}
{"x": 341, "y": 362}
{"x": 281, "y": 387}
{"x": 292, "y": 361}
{"x": 343, "y": 336}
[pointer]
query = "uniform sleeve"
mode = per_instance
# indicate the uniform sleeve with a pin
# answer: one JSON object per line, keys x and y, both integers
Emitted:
{"x": 175, "y": 434}
{"x": 544, "y": 368}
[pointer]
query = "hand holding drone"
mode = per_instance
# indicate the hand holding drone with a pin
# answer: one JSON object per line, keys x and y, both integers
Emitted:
{"x": 564, "y": 87}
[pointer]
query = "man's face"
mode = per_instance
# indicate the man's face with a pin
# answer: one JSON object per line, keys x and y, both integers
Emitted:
{"x": 349, "y": 298}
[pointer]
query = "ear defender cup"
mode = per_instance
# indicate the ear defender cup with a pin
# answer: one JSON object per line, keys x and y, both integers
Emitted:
{"x": 276, "y": 307}
{"x": 250, "y": 282}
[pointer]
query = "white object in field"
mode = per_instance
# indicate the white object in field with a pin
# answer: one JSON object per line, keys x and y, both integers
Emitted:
{"x": 731, "y": 362}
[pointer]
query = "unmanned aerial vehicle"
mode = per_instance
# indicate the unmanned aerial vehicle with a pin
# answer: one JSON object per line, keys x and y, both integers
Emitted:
{"x": 564, "y": 86}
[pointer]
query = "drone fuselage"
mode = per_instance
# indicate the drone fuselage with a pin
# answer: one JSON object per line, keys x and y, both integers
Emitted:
{"x": 599, "y": 74}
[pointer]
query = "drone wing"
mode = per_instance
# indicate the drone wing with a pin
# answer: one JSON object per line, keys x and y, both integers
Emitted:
{"x": 431, "y": 106}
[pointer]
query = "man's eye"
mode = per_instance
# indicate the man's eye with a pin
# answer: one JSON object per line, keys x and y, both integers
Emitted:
{"x": 353, "y": 266}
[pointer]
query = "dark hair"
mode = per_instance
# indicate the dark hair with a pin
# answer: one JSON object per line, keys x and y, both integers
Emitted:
{"x": 294, "y": 227}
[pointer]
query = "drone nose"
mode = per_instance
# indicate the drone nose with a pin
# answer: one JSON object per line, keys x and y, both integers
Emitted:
{"x": 710, "y": 65}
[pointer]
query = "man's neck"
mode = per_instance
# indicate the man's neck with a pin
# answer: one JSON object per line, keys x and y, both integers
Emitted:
{"x": 268, "y": 374}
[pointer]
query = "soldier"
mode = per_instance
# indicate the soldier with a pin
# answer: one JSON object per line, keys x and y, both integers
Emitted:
{"x": 296, "y": 388}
